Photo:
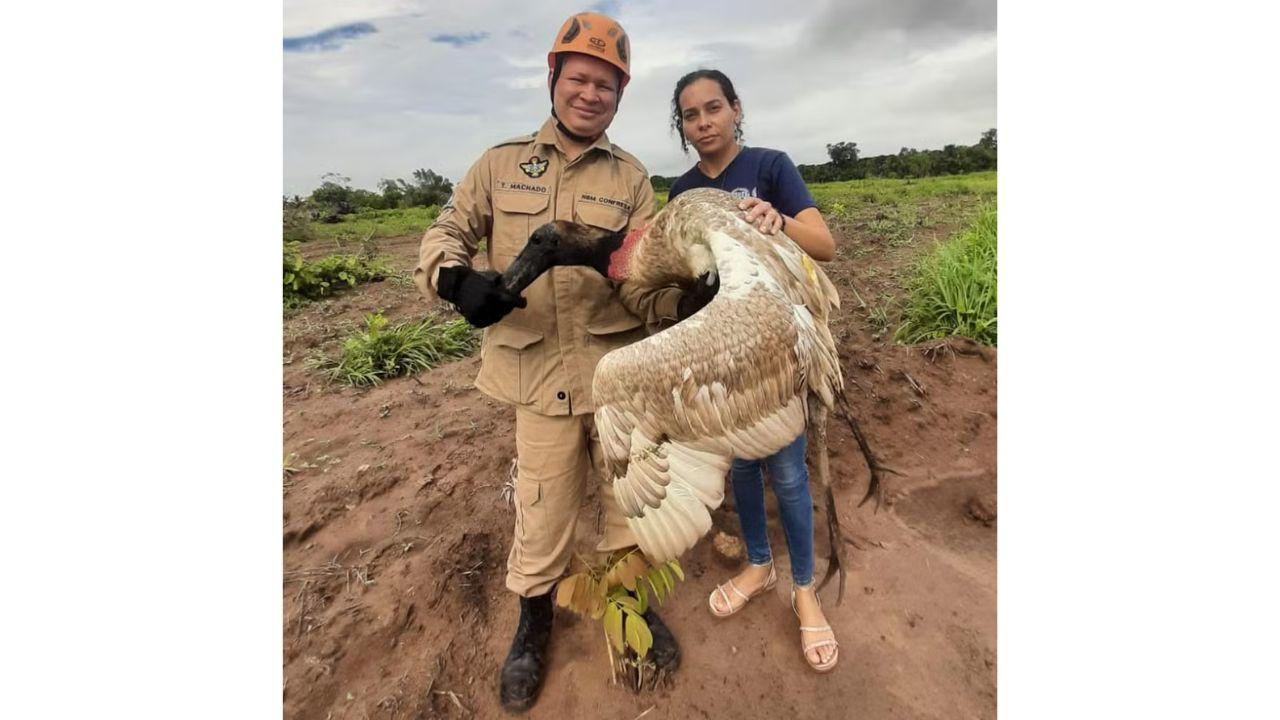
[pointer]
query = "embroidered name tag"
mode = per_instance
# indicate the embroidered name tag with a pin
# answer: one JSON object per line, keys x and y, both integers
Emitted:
{"x": 622, "y": 205}
{"x": 522, "y": 187}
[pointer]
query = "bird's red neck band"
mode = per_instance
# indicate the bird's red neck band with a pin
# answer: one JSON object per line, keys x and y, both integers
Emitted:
{"x": 620, "y": 259}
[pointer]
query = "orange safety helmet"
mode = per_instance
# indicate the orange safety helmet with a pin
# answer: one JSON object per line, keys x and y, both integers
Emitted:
{"x": 595, "y": 35}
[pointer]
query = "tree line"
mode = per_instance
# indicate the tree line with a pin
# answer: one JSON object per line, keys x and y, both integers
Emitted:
{"x": 846, "y": 163}
{"x": 335, "y": 197}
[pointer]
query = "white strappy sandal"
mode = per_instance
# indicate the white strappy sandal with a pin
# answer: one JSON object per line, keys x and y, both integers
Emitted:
{"x": 724, "y": 597}
{"x": 806, "y": 647}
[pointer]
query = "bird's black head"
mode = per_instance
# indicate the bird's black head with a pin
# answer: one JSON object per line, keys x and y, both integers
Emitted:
{"x": 560, "y": 243}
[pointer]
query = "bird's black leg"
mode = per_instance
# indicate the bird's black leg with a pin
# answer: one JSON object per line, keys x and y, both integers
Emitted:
{"x": 875, "y": 487}
{"x": 818, "y": 446}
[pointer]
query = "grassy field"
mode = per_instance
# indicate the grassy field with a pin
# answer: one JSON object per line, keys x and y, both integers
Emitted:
{"x": 853, "y": 195}
{"x": 377, "y": 224}
{"x": 953, "y": 289}
{"x": 896, "y": 233}
{"x": 842, "y": 200}
{"x": 849, "y": 198}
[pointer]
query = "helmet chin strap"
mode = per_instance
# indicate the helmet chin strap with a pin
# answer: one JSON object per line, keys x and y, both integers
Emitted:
{"x": 583, "y": 139}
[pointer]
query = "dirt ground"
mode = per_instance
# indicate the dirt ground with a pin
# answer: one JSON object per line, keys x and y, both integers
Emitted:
{"x": 396, "y": 535}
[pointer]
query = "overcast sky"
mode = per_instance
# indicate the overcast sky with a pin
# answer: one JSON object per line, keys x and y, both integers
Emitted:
{"x": 375, "y": 89}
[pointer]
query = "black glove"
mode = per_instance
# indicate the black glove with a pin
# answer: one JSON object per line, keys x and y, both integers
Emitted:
{"x": 479, "y": 296}
{"x": 696, "y": 297}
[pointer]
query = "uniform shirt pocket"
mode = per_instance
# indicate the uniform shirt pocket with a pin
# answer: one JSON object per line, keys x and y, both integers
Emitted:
{"x": 612, "y": 318}
{"x": 601, "y": 216}
{"x": 509, "y": 362}
{"x": 596, "y": 290}
{"x": 515, "y": 216}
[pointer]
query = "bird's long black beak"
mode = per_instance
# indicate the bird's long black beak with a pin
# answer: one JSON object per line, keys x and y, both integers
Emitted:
{"x": 560, "y": 243}
{"x": 538, "y": 256}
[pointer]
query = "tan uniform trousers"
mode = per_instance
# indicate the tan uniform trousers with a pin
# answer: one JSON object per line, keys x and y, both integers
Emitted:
{"x": 556, "y": 456}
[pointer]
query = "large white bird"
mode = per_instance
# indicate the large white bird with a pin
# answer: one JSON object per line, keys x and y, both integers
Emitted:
{"x": 742, "y": 377}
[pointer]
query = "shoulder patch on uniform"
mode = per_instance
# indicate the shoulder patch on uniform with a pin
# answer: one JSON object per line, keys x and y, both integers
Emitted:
{"x": 630, "y": 159}
{"x": 518, "y": 140}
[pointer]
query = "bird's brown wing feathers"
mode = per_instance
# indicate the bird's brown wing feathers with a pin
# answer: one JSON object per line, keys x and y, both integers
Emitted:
{"x": 674, "y": 409}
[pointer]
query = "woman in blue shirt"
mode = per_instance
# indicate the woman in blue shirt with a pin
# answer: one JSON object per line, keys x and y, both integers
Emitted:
{"x": 707, "y": 114}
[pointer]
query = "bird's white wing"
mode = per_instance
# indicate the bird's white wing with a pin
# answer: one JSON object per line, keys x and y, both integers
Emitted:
{"x": 666, "y": 495}
{"x": 674, "y": 409}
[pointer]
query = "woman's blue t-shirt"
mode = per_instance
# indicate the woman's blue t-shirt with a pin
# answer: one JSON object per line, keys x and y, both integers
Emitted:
{"x": 755, "y": 172}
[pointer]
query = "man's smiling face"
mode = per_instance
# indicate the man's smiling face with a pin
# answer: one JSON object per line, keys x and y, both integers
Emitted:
{"x": 586, "y": 94}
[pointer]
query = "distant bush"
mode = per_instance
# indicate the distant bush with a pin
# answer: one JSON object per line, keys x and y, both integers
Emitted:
{"x": 953, "y": 290}
{"x": 305, "y": 281}
{"x": 335, "y": 201}
{"x": 297, "y": 221}
{"x": 427, "y": 188}
{"x": 381, "y": 352}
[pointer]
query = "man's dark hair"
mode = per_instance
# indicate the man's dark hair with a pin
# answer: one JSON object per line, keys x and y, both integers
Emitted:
{"x": 726, "y": 86}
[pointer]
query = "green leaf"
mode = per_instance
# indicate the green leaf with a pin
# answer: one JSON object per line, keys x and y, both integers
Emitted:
{"x": 655, "y": 582}
{"x": 643, "y": 595}
{"x": 613, "y": 627}
{"x": 629, "y": 603}
{"x": 639, "y": 637}
{"x": 675, "y": 566}
{"x": 666, "y": 578}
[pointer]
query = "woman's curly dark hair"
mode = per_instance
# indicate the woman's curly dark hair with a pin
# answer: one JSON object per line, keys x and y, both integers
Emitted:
{"x": 726, "y": 86}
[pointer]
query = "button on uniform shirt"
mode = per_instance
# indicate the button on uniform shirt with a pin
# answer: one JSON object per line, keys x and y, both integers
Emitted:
{"x": 542, "y": 357}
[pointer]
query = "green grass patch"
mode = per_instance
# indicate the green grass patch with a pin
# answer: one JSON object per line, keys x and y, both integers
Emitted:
{"x": 304, "y": 281}
{"x": 850, "y": 198}
{"x": 377, "y": 224}
{"x": 381, "y": 351}
{"x": 953, "y": 290}
{"x": 844, "y": 200}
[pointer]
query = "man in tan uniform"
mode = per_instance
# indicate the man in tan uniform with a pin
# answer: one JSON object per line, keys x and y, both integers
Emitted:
{"x": 539, "y": 352}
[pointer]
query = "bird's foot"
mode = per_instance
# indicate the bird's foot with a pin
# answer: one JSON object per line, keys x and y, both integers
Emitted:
{"x": 876, "y": 487}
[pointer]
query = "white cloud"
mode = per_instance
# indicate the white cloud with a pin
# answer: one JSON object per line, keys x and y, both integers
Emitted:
{"x": 882, "y": 74}
{"x": 528, "y": 82}
{"x": 303, "y": 17}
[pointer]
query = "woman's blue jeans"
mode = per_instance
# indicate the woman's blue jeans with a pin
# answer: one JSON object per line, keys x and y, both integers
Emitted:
{"x": 790, "y": 481}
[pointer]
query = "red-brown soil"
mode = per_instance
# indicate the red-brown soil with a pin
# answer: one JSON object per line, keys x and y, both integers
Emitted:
{"x": 396, "y": 535}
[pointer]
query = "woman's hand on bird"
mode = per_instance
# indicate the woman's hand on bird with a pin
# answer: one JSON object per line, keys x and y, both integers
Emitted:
{"x": 762, "y": 214}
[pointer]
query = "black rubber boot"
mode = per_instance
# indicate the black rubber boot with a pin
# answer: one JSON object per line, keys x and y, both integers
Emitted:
{"x": 665, "y": 650}
{"x": 522, "y": 673}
